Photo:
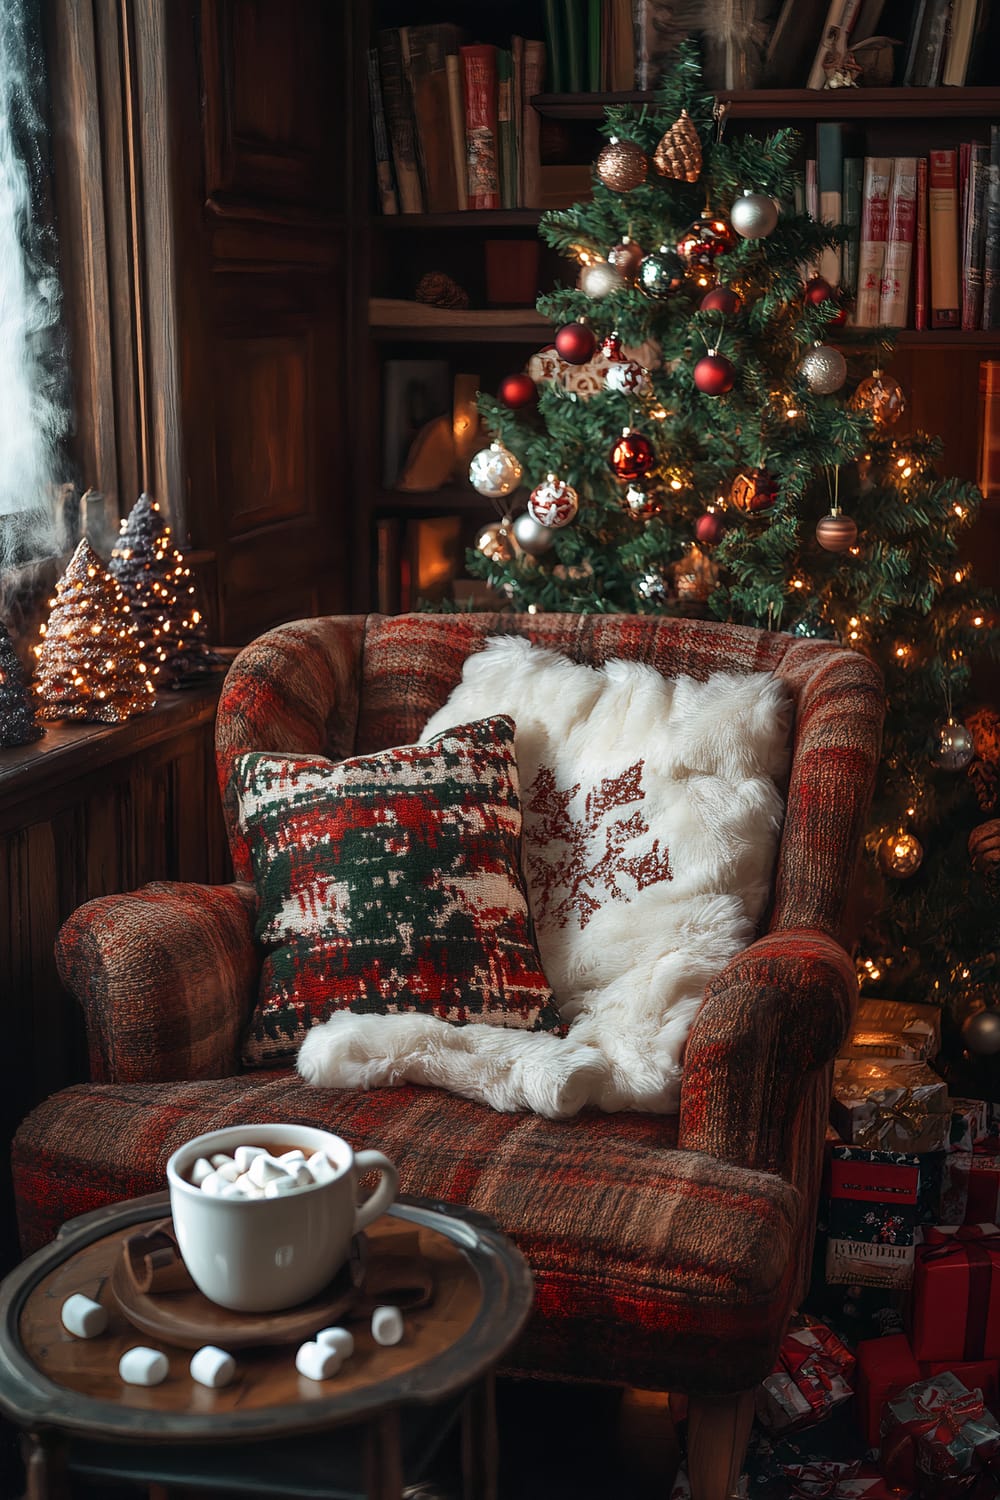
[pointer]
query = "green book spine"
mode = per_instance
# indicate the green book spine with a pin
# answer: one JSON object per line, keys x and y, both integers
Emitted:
{"x": 594, "y": 46}
{"x": 574, "y": 30}
{"x": 552, "y": 15}
{"x": 506, "y": 144}
{"x": 854, "y": 170}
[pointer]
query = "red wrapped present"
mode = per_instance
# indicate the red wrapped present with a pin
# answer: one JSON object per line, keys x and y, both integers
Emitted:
{"x": 827, "y": 1479}
{"x": 953, "y": 1190}
{"x": 954, "y": 1310}
{"x": 969, "y": 1123}
{"x": 872, "y": 1216}
{"x": 975, "y": 1374}
{"x": 939, "y": 1437}
{"x": 811, "y": 1378}
{"x": 983, "y": 1205}
{"x": 885, "y": 1367}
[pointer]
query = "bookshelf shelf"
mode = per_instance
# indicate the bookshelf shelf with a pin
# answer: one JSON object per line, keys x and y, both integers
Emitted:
{"x": 478, "y": 219}
{"x": 802, "y": 104}
{"x": 391, "y": 318}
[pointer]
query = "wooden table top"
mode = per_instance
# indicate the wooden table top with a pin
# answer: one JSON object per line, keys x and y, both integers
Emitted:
{"x": 482, "y": 1297}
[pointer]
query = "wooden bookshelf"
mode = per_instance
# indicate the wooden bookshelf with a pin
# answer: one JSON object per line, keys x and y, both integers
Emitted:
{"x": 480, "y": 220}
{"x": 780, "y": 105}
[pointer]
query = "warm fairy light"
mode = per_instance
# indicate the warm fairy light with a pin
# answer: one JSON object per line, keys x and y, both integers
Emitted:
{"x": 676, "y": 484}
{"x": 959, "y": 511}
{"x": 977, "y": 620}
{"x": 659, "y": 413}
{"x": 798, "y": 583}
{"x": 532, "y": 609}
{"x": 854, "y": 551}
{"x": 965, "y": 973}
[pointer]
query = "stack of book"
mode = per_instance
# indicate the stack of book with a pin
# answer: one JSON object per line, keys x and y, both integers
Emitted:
{"x": 924, "y": 250}
{"x": 451, "y": 122}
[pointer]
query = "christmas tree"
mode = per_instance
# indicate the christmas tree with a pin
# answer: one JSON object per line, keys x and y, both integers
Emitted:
{"x": 697, "y": 443}
{"x": 18, "y": 724}
{"x": 162, "y": 594}
{"x": 88, "y": 661}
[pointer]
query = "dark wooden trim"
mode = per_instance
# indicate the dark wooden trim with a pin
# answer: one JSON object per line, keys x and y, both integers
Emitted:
{"x": 777, "y": 105}
{"x": 478, "y": 219}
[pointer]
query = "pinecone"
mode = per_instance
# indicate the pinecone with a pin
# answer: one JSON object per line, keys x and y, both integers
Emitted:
{"x": 441, "y": 290}
{"x": 679, "y": 153}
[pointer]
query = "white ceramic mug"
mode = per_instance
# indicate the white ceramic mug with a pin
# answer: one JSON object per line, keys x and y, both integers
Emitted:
{"x": 263, "y": 1254}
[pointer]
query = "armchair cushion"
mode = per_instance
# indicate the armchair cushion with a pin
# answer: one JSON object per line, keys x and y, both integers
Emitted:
{"x": 653, "y": 1266}
{"x": 391, "y": 883}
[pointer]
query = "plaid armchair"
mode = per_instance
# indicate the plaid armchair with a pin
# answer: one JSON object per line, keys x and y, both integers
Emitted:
{"x": 667, "y": 1252}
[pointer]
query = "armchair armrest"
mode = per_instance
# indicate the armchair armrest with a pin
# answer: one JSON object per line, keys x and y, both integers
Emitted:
{"x": 167, "y": 977}
{"x": 759, "y": 1052}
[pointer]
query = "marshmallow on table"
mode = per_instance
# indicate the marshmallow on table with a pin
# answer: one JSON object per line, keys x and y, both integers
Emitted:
{"x": 337, "y": 1338}
{"x": 141, "y": 1366}
{"x": 83, "y": 1317}
{"x": 318, "y": 1361}
{"x": 387, "y": 1325}
{"x": 212, "y": 1367}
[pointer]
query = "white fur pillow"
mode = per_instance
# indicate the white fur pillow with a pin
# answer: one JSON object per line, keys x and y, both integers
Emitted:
{"x": 651, "y": 819}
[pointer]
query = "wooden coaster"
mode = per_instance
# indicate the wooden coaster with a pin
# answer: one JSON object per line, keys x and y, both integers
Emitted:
{"x": 188, "y": 1319}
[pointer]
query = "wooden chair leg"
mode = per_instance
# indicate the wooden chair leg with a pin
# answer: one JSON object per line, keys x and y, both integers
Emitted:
{"x": 718, "y": 1433}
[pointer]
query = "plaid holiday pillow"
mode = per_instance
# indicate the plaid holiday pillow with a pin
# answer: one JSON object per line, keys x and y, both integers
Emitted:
{"x": 391, "y": 883}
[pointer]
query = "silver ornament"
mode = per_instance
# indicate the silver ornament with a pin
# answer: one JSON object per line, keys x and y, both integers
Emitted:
{"x": 954, "y": 748}
{"x": 753, "y": 215}
{"x": 981, "y": 1033}
{"x": 600, "y": 279}
{"x": 553, "y": 502}
{"x": 531, "y": 537}
{"x": 824, "y": 369}
{"x": 494, "y": 472}
{"x": 652, "y": 588}
{"x": 627, "y": 377}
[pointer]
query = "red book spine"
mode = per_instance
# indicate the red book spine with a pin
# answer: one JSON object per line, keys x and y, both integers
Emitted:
{"x": 920, "y": 298}
{"x": 479, "y": 66}
{"x": 942, "y": 217}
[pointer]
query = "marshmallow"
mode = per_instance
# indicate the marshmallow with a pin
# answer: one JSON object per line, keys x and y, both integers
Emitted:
{"x": 279, "y": 1187}
{"x": 290, "y": 1157}
{"x": 232, "y": 1190}
{"x": 82, "y": 1317}
{"x": 264, "y": 1169}
{"x": 212, "y": 1367}
{"x": 321, "y": 1167}
{"x": 141, "y": 1366}
{"x": 227, "y": 1170}
{"x": 337, "y": 1338}
{"x": 248, "y": 1186}
{"x": 213, "y": 1185}
{"x": 387, "y": 1325}
{"x": 220, "y": 1159}
{"x": 200, "y": 1171}
{"x": 246, "y": 1154}
{"x": 301, "y": 1175}
{"x": 317, "y": 1361}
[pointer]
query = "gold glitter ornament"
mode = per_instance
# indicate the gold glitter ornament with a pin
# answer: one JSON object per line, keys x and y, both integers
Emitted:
{"x": 881, "y": 398}
{"x": 621, "y": 166}
{"x": 678, "y": 154}
{"x": 901, "y": 854}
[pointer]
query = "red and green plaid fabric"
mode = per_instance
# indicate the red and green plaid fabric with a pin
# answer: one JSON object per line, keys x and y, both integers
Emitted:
{"x": 388, "y": 883}
{"x": 674, "y": 1248}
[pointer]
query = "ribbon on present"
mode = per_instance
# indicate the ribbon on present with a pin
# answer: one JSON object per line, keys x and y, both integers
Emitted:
{"x": 970, "y": 1243}
{"x": 938, "y": 1408}
{"x": 906, "y": 1113}
{"x": 829, "y": 1479}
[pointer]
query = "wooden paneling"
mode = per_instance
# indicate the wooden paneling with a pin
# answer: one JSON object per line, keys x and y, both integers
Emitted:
{"x": 264, "y": 433}
{"x": 86, "y": 812}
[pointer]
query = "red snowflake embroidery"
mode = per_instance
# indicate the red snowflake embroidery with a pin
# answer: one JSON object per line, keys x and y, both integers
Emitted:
{"x": 581, "y": 877}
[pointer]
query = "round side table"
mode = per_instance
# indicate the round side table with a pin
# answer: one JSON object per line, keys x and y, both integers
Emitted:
{"x": 271, "y": 1432}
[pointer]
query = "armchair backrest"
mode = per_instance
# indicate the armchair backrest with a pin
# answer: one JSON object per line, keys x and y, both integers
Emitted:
{"x": 356, "y": 684}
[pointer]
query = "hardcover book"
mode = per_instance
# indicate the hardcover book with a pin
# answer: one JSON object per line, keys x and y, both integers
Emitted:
{"x": 974, "y": 238}
{"x": 381, "y": 150}
{"x": 479, "y": 67}
{"x": 991, "y": 236}
{"x": 399, "y": 118}
{"x": 531, "y": 160}
{"x": 894, "y": 298}
{"x": 920, "y": 293}
{"x": 942, "y": 228}
{"x": 854, "y": 168}
{"x": 424, "y": 50}
{"x": 874, "y": 233}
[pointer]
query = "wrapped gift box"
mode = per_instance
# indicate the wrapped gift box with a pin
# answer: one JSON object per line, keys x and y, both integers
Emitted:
{"x": 885, "y": 1367}
{"x": 954, "y": 1309}
{"x": 914, "y": 1029}
{"x": 886, "y": 1105}
{"x": 937, "y": 1436}
{"x": 872, "y": 1215}
{"x": 827, "y": 1479}
{"x": 978, "y": 1374}
{"x": 812, "y": 1377}
{"x": 983, "y": 1204}
{"x": 970, "y": 1123}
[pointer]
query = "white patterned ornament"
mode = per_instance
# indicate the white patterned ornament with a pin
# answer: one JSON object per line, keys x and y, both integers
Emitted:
{"x": 553, "y": 502}
{"x": 494, "y": 472}
{"x": 582, "y": 380}
{"x": 824, "y": 369}
{"x": 753, "y": 215}
{"x": 627, "y": 377}
{"x": 600, "y": 279}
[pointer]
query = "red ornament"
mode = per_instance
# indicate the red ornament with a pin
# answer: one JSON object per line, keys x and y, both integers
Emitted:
{"x": 611, "y": 348}
{"x": 840, "y": 316}
{"x": 632, "y": 457}
{"x": 721, "y": 299}
{"x": 709, "y": 528}
{"x": 753, "y": 491}
{"x": 818, "y": 290}
{"x": 576, "y": 343}
{"x": 517, "y": 391}
{"x": 714, "y": 375}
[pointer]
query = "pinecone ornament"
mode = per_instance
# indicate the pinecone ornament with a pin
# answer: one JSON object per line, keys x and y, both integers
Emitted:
{"x": 984, "y": 849}
{"x": 678, "y": 154}
{"x": 438, "y": 289}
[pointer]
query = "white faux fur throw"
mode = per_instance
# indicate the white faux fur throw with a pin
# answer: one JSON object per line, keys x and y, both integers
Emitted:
{"x": 651, "y": 818}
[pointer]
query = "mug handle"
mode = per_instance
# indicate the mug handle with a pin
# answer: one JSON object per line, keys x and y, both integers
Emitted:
{"x": 384, "y": 1195}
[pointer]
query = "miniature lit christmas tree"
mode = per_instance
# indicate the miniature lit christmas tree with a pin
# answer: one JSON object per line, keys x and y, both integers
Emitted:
{"x": 88, "y": 661}
{"x": 18, "y": 724}
{"x": 163, "y": 597}
{"x": 697, "y": 443}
